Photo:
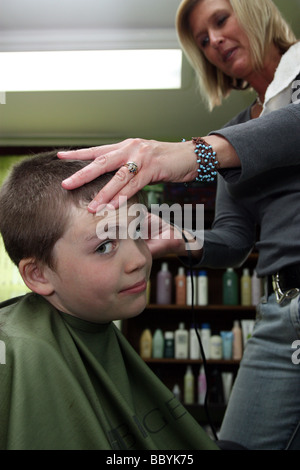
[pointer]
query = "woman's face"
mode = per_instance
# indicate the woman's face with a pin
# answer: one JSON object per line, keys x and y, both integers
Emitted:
{"x": 219, "y": 36}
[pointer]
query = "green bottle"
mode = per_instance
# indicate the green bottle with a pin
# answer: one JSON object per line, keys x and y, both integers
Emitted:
{"x": 230, "y": 287}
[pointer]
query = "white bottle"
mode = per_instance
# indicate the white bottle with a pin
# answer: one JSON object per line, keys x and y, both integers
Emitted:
{"x": 176, "y": 392}
{"x": 189, "y": 284}
{"x": 164, "y": 285}
{"x": 202, "y": 290}
{"x": 194, "y": 343}
{"x": 202, "y": 386}
{"x": 216, "y": 348}
{"x": 158, "y": 343}
{"x": 189, "y": 384}
{"x": 205, "y": 339}
{"x": 181, "y": 342}
{"x": 246, "y": 288}
{"x": 256, "y": 290}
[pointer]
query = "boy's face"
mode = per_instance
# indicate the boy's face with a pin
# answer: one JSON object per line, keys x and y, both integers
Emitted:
{"x": 99, "y": 278}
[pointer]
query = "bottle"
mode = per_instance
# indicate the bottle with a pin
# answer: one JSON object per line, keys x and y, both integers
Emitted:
{"x": 181, "y": 342}
{"x": 146, "y": 344}
{"x": 189, "y": 383}
{"x": 180, "y": 287}
{"x": 202, "y": 290}
{"x": 202, "y": 386}
{"x": 164, "y": 285}
{"x": 169, "y": 345}
{"x": 227, "y": 344}
{"x": 158, "y": 343}
{"x": 230, "y": 287}
{"x": 216, "y": 349}
{"x": 256, "y": 290}
{"x": 189, "y": 283}
{"x": 246, "y": 288}
{"x": 205, "y": 339}
{"x": 237, "y": 346}
{"x": 176, "y": 392}
{"x": 194, "y": 343}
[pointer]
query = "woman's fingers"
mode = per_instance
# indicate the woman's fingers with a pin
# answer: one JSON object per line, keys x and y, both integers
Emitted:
{"x": 123, "y": 184}
{"x": 155, "y": 162}
{"x": 96, "y": 168}
{"x": 86, "y": 154}
{"x": 105, "y": 159}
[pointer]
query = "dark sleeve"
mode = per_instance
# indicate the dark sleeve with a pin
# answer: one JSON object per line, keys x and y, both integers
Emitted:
{"x": 271, "y": 141}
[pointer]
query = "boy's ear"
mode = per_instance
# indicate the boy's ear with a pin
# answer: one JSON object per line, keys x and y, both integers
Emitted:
{"x": 33, "y": 274}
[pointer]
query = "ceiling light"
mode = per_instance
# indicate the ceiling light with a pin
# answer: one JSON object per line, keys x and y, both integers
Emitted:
{"x": 91, "y": 70}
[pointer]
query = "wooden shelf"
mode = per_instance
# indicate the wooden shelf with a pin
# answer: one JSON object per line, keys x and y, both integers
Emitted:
{"x": 238, "y": 308}
{"x": 191, "y": 361}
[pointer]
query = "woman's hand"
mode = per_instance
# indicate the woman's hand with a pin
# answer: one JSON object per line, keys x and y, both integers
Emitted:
{"x": 163, "y": 239}
{"x": 156, "y": 162}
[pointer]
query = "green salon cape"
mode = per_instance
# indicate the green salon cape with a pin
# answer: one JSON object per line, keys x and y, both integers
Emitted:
{"x": 66, "y": 383}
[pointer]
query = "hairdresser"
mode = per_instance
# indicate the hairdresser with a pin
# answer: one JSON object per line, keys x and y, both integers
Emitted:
{"x": 238, "y": 44}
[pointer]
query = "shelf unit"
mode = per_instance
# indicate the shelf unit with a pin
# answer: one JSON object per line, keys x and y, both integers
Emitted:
{"x": 167, "y": 317}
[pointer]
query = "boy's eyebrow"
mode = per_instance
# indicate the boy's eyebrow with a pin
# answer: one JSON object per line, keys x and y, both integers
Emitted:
{"x": 95, "y": 237}
{"x": 90, "y": 238}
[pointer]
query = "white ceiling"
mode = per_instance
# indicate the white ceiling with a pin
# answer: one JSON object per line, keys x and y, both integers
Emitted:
{"x": 88, "y": 118}
{"x": 87, "y": 24}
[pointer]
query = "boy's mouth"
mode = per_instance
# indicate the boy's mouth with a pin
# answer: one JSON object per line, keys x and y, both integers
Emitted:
{"x": 135, "y": 288}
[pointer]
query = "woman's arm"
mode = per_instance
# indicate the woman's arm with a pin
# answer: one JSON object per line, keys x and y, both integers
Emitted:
{"x": 272, "y": 141}
{"x": 257, "y": 145}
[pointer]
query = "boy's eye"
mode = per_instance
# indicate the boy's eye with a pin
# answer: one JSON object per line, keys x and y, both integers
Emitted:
{"x": 105, "y": 247}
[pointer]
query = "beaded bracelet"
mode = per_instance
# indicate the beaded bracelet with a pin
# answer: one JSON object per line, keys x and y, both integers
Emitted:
{"x": 207, "y": 160}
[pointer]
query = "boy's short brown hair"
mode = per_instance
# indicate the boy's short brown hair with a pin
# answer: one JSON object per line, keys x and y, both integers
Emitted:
{"x": 35, "y": 208}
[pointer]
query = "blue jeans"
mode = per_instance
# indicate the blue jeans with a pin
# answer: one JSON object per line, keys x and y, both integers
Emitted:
{"x": 264, "y": 406}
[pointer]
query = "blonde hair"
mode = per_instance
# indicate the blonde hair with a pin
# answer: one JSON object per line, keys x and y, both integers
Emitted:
{"x": 263, "y": 24}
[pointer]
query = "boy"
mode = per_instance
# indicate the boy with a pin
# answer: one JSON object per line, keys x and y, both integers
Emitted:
{"x": 71, "y": 380}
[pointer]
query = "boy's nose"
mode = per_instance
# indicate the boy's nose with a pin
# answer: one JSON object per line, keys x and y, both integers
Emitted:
{"x": 138, "y": 255}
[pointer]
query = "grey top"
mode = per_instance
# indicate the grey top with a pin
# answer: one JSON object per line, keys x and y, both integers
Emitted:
{"x": 264, "y": 193}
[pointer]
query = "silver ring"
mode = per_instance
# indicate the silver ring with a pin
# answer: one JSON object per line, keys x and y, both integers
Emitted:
{"x": 132, "y": 167}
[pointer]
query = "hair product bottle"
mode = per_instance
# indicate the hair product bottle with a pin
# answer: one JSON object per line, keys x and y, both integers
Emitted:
{"x": 169, "y": 345}
{"x": 181, "y": 342}
{"x": 202, "y": 290}
{"x": 237, "y": 346}
{"x": 230, "y": 287}
{"x": 180, "y": 287}
{"x": 164, "y": 285}
{"x": 177, "y": 392}
{"x": 189, "y": 384}
{"x": 202, "y": 386}
{"x": 194, "y": 343}
{"x": 246, "y": 288}
{"x": 227, "y": 343}
{"x": 146, "y": 344}
{"x": 216, "y": 348}
{"x": 205, "y": 338}
{"x": 158, "y": 343}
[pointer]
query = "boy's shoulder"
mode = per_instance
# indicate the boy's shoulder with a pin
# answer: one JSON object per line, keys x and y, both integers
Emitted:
{"x": 17, "y": 312}
{"x": 25, "y": 320}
